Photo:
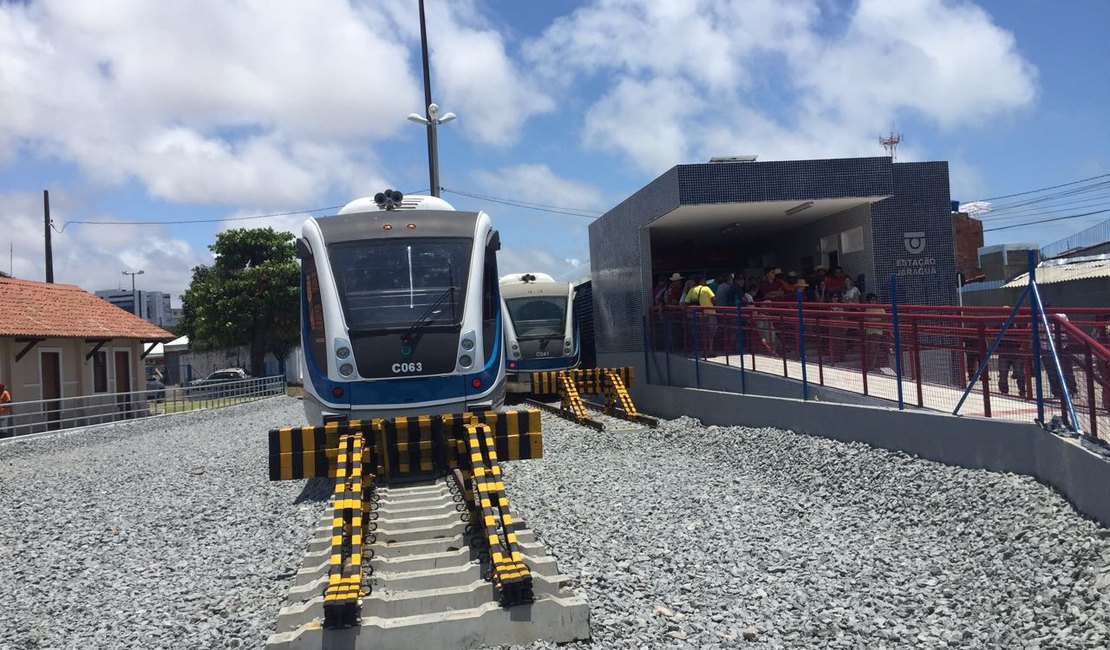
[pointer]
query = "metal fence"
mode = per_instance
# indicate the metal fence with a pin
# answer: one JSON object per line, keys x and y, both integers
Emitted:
{"x": 916, "y": 355}
{"x": 34, "y": 416}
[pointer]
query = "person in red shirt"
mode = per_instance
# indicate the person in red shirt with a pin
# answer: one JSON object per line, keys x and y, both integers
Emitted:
{"x": 770, "y": 288}
{"x": 835, "y": 282}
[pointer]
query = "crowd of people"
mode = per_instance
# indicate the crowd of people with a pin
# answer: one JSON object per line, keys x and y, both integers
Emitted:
{"x": 775, "y": 335}
{"x": 774, "y": 286}
{"x": 732, "y": 289}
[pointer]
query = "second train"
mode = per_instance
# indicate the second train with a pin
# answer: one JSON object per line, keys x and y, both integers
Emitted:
{"x": 540, "y": 329}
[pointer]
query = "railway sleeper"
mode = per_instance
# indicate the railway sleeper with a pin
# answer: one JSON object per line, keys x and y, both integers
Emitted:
{"x": 441, "y": 560}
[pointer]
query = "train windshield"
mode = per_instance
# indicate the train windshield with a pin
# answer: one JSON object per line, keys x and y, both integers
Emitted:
{"x": 538, "y": 317}
{"x": 393, "y": 283}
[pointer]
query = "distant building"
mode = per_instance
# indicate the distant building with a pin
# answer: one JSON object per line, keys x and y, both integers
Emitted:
{"x": 151, "y": 306}
{"x": 59, "y": 343}
{"x": 969, "y": 239}
{"x": 1006, "y": 261}
{"x": 874, "y": 217}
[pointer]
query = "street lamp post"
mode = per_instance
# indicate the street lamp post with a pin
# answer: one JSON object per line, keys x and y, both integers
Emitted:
{"x": 432, "y": 118}
{"x": 134, "y": 303}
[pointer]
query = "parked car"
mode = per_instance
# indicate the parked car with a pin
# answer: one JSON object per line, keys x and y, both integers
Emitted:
{"x": 155, "y": 387}
{"x": 218, "y": 384}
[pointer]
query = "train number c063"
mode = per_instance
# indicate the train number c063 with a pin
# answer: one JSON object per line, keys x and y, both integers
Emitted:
{"x": 401, "y": 368}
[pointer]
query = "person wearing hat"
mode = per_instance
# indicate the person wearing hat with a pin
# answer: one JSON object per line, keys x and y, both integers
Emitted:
{"x": 5, "y": 409}
{"x": 770, "y": 288}
{"x": 673, "y": 294}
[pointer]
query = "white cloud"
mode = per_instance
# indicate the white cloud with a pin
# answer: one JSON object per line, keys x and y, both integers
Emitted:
{"x": 688, "y": 80}
{"x": 536, "y": 183}
{"x": 539, "y": 260}
{"x": 473, "y": 74}
{"x": 651, "y": 122}
{"x": 206, "y": 102}
{"x": 949, "y": 62}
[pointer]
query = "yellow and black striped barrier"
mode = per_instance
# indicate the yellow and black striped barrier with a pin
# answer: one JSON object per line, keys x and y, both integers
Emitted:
{"x": 571, "y": 385}
{"x": 360, "y": 453}
{"x": 399, "y": 449}
{"x": 490, "y": 509}
{"x": 344, "y": 591}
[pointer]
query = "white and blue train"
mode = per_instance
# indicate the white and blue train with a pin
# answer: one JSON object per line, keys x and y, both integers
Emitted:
{"x": 540, "y": 328}
{"x": 400, "y": 310}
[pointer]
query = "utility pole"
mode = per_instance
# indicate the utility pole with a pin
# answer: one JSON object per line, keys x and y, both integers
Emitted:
{"x": 46, "y": 225}
{"x": 433, "y": 164}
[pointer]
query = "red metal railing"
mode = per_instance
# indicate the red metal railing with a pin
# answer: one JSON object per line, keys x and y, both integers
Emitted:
{"x": 852, "y": 347}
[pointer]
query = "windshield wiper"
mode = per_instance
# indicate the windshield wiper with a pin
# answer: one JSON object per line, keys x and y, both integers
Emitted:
{"x": 426, "y": 316}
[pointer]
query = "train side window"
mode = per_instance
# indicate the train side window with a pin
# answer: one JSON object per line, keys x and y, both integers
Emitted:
{"x": 314, "y": 312}
{"x": 491, "y": 292}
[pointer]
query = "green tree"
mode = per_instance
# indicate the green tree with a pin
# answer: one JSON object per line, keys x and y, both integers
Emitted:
{"x": 250, "y": 296}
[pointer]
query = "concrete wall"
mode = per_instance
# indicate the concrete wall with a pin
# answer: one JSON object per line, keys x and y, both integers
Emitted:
{"x": 805, "y": 241}
{"x": 684, "y": 373}
{"x": 1081, "y": 475}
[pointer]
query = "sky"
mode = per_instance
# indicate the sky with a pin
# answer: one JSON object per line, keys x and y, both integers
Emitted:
{"x": 156, "y": 125}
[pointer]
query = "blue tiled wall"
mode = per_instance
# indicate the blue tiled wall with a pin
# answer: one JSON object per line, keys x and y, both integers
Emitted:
{"x": 620, "y": 251}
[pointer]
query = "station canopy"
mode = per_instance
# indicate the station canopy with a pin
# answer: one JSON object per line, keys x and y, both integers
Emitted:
{"x": 705, "y": 235}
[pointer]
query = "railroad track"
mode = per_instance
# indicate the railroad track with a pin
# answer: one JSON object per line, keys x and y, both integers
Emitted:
{"x": 424, "y": 563}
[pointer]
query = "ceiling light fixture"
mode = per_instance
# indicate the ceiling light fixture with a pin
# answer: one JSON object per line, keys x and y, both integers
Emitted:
{"x": 801, "y": 206}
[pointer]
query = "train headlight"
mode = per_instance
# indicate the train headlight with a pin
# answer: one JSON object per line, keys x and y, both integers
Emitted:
{"x": 343, "y": 352}
{"x": 468, "y": 344}
{"x": 515, "y": 347}
{"x": 346, "y": 369}
{"x": 465, "y": 361}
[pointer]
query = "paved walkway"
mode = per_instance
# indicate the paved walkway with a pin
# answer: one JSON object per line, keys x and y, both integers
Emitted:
{"x": 885, "y": 386}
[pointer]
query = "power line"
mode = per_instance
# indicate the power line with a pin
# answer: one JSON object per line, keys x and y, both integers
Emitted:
{"x": 1017, "y": 225}
{"x": 1045, "y": 189}
{"x": 574, "y": 212}
{"x": 1090, "y": 203}
{"x": 1048, "y": 198}
{"x": 186, "y": 221}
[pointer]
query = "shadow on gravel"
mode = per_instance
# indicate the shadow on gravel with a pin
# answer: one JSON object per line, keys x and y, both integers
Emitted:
{"x": 316, "y": 489}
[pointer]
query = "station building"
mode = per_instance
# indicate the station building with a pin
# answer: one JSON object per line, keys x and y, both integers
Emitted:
{"x": 872, "y": 216}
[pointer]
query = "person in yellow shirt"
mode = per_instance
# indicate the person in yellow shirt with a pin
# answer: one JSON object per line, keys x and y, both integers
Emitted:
{"x": 702, "y": 296}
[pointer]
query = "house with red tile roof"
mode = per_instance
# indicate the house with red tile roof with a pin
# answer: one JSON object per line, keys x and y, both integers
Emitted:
{"x": 61, "y": 347}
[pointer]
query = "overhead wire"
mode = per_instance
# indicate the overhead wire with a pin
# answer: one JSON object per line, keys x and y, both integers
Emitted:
{"x": 1050, "y": 220}
{"x": 188, "y": 221}
{"x": 504, "y": 201}
{"x": 574, "y": 212}
{"x": 1045, "y": 189}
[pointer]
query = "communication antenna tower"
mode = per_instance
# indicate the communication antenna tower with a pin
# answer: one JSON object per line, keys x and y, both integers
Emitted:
{"x": 890, "y": 143}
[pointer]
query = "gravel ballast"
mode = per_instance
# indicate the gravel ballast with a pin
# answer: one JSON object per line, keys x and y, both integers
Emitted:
{"x": 714, "y": 537}
{"x": 166, "y": 533}
{"x": 155, "y": 533}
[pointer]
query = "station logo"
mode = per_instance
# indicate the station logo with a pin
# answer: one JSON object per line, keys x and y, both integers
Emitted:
{"x": 914, "y": 242}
